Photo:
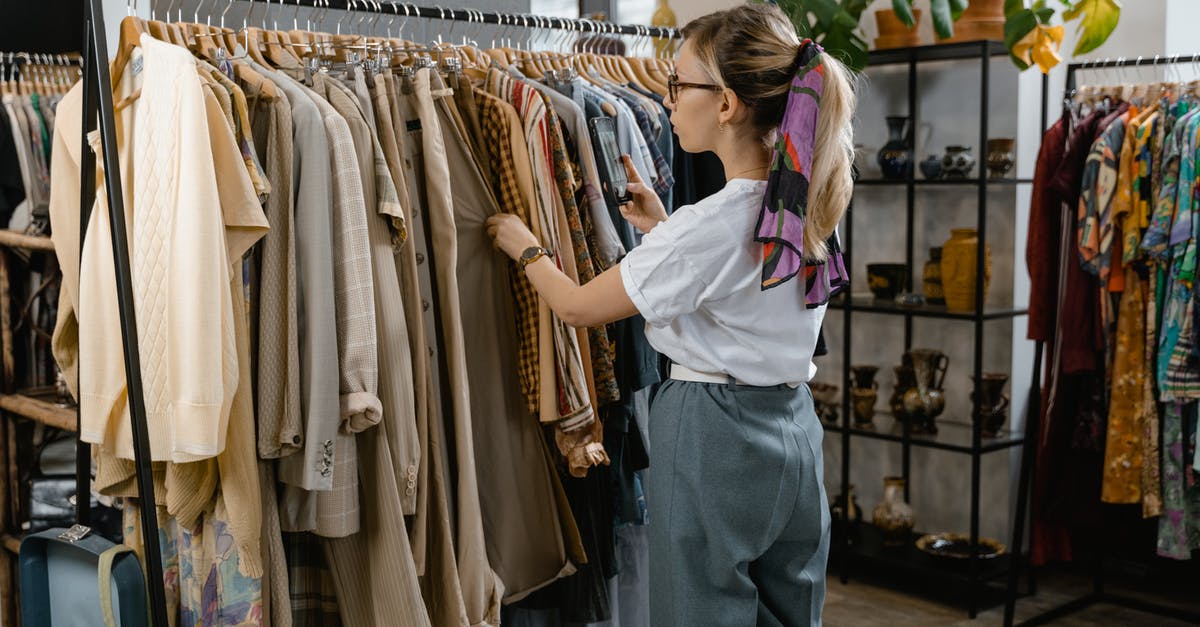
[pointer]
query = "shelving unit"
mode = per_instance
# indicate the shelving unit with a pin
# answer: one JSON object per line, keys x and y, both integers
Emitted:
{"x": 957, "y": 434}
{"x": 32, "y": 406}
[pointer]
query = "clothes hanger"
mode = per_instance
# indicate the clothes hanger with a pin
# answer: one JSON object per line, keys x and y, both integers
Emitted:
{"x": 496, "y": 52}
{"x": 301, "y": 40}
{"x": 279, "y": 43}
{"x": 200, "y": 37}
{"x": 175, "y": 33}
{"x": 131, "y": 31}
{"x": 642, "y": 79}
{"x": 228, "y": 37}
{"x": 6, "y": 75}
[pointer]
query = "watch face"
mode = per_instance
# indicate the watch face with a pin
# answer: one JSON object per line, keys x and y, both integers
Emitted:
{"x": 530, "y": 253}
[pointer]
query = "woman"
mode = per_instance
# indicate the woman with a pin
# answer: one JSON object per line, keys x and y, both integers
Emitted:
{"x": 733, "y": 290}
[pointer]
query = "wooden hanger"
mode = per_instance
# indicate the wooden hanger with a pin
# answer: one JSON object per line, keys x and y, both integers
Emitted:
{"x": 132, "y": 29}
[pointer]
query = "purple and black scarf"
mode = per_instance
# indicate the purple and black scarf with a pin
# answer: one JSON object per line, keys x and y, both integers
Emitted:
{"x": 785, "y": 206}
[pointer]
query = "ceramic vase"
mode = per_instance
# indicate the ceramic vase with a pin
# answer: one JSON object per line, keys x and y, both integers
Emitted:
{"x": 663, "y": 16}
{"x": 931, "y": 167}
{"x": 864, "y": 377}
{"x": 983, "y": 19}
{"x": 993, "y": 403}
{"x": 894, "y": 33}
{"x": 846, "y": 517}
{"x": 958, "y": 269}
{"x": 932, "y": 278}
{"x": 999, "y": 157}
{"x": 893, "y": 516}
{"x": 863, "y": 402}
{"x": 958, "y": 162}
{"x": 887, "y": 280}
{"x": 895, "y": 158}
{"x": 905, "y": 381}
{"x": 825, "y": 400}
{"x": 838, "y": 508}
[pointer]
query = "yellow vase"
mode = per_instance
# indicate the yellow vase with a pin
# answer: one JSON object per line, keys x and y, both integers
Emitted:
{"x": 665, "y": 18}
{"x": 958, "y": 269}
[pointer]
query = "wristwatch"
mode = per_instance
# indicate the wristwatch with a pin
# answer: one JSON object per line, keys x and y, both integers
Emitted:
{"x": 532, "y": 254}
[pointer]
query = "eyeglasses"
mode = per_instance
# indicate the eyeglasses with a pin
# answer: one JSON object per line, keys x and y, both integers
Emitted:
{"x": 673, "y": 86}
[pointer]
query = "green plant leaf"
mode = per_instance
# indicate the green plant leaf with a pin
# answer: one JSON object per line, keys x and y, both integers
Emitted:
{"x": 823, "y": 10}
{"x": 957, "y": 7}
{"x": 903, "y": 10}
{"x": 847, "y": 47}
{"x": 856, "y": 7}
{"x": 1044, "y": 14}
{"x": 943, "y": 18}
{"x": 832, "y": 23}
{"x": 1012, "y": 6}
{"x": 1097, "y": 20}
{"x": 1016, "y": 27}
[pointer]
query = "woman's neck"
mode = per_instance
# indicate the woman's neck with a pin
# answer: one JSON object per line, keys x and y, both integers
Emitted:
{"x": 743, "y": 158}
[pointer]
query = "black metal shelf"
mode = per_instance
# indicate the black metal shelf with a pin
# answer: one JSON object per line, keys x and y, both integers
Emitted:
{"x": 892, "y": 308}
{"x": 966, "y": 50}
{"x": 910, "y": 567}
{"x": 951, "y": 436}
{"x": 987, "y": 182}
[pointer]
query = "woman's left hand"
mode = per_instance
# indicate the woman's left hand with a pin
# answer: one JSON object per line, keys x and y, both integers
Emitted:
{"x": 510, "y": 234}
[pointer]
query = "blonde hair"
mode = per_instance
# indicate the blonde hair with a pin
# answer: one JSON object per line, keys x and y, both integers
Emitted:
{"x": 753, "y": 50}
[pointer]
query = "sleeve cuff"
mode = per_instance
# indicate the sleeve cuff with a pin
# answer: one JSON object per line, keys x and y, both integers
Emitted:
{"x": 360, "y": 411}
{"x": 635, "y": 295}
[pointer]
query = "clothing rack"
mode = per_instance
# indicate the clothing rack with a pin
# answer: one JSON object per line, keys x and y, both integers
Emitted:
{"x": 38, "y": 58}
{"x": 1098, "y": 593}
{"x": 97, "y": 94}
{"x": 99, "y": 105}
{"x": 404, "y": 10}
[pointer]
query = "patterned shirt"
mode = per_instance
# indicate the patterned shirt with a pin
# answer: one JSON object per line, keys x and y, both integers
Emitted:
{"x": 493, "y": 118}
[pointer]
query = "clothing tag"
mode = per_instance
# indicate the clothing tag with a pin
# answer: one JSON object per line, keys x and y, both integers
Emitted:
{"x": 138, "y": 63}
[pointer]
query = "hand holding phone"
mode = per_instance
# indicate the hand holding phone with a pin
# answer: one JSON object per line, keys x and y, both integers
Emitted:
{"x": 608, "y": 160}
{"x": 623, "y": 187}
{"x": 644, "y": 209}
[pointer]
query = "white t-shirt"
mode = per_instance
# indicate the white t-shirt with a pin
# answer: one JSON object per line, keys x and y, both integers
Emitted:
{"x": 696, "y": 278}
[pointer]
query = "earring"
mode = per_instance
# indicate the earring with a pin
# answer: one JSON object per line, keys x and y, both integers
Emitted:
{"x": 723, "y": 127}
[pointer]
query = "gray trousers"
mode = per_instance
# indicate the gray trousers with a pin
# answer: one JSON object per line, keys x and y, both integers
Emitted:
{"x": 739, "y": 521}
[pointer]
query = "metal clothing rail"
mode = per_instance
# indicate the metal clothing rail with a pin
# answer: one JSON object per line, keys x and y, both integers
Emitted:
{"x": 97, "y": 94}
{"x": 402, "y": 10}
{"x": 38, "y": 58}
{"x": 1098, "y": 593}
{"x": 1126, "y": 62}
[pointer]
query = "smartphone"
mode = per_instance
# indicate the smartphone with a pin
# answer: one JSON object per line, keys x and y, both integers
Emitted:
{"x": 608, "y": 161}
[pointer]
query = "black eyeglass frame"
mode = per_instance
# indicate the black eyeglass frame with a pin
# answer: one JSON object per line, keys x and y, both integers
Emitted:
{"x": 673, "y": 86}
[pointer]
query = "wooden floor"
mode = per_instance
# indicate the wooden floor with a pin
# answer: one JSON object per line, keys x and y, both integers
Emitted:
{"x": 862, "y": 604}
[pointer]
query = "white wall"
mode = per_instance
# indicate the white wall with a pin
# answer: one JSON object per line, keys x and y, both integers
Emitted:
{"x": 688, "y": 10}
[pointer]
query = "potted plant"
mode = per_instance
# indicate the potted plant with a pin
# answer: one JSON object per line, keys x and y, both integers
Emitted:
{"x": 835, "y": 23}
{"x": 1032, "y": 40}
{"x": 1030, "y": 37}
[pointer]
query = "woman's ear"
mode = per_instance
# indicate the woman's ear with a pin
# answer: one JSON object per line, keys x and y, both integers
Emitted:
{"x": 732, "y": 109}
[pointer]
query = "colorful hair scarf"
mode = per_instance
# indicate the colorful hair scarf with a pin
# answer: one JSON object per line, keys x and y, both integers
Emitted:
{"x": 785, "y": 206}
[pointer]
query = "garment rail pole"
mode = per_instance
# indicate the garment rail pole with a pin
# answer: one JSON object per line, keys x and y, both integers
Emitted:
{"x": 100, "y": 100}
{"x": 399, "y": 9}
{"x": 1099, "y": 593}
